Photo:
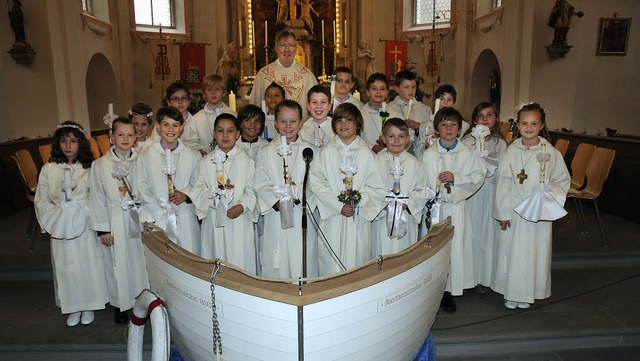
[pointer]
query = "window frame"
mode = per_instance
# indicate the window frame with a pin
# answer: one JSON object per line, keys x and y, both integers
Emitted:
{"x": 409, "y": 18}
{"x": 181, "y": 23}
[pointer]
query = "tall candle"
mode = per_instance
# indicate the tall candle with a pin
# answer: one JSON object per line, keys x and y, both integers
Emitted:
{"x": 322, "y": 23}
{"x": 344, "y": 31}
{"x": 409, "y": 108}
{"x": 253, "y": 33}
{"x": 240, "y": 33}
{"x": 384, "y": 107}
{"x": 437, "y": 106}
{"x": 219, "y": 157}
{"x": 264, "y": 106}
{"x": 232, "y": 101}
{"x": 266, "y": 34}
{"x": 67, "y": 184}
{"x": 334, "y": 33}
{"x": 396, "y": 175}
{"x": 110, "y": 108}
{"x": 167, "y": 157}
{"x": 333, "y": 88}
{"x": 283, "y": 140}
{"x": 356, "y": 94}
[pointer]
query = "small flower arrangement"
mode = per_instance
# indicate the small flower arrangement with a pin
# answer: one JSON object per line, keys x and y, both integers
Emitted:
{"x": 351, "y": 197}
{"x": 326, "y": 79}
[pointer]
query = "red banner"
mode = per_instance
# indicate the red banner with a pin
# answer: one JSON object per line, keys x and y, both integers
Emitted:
{"x": 192, "y": 64}
{"x": 395, "y": 58}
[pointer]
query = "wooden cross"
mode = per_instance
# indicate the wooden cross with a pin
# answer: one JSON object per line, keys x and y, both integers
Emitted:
{"x": 522, "y": 176}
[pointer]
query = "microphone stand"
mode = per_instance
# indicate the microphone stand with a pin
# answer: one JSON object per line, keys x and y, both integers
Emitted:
{"x": 304, "y": 218}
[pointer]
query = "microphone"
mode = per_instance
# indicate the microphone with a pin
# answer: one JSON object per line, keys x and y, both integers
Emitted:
{"x": 307, "y": 154}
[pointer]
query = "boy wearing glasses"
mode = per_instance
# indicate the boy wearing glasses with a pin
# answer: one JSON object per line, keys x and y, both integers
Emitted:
{"x": 344, "y": 83}
{"x": 295, "y": 78}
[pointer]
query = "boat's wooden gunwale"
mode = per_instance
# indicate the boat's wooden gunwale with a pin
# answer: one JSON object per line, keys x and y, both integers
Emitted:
{"x": 317, "y": 290}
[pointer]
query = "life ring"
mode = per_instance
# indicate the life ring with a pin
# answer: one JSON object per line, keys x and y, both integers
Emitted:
{"x": 149, "y": 305}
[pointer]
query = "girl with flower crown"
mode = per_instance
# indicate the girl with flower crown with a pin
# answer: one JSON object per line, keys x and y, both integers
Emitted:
{"x": 486, "y": 140}
{"x": 141, "y": 115}
{"x": 115, "y": 216}
{"x": 349, "y": 188}
{"x": 61, "y": 203}
{"x": 224, "y": 198}
{"x": 531, "y": 167}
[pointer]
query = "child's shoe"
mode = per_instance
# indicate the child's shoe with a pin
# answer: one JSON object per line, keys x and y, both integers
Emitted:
{"x": 512, "y": 305}
{"x": 523, "y": 305}
{"x": 87, "y": 317}
{"x": 73, "y": 319}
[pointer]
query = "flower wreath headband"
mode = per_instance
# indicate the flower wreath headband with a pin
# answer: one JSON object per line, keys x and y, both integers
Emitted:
{"x": 73, "y": 126}
{"x": 522, "y": 105}
{"x": 148, "y": 115}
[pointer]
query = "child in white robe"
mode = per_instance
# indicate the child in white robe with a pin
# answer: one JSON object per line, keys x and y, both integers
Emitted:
{"x": 61, "y": 204}
{"x": 455, "y": 172}
{"x": 374, "y": 113}
{"x": 344, "y": 169}
{"x": 115, "y": 216}
{"x": 251, "y": 120}
{"x": 176, "y": 95}
{"x": 343, "y": 84}
{"x": 273, "y": 95}
{"x": 485, "y": 229}
{"x": 405, "y": 179}
{"x": 164, "y": 179}
{"x": 523, "y": 271}
{"x": 225, "y": 199}
{"x": 198, "y": 134}
{"x": 281, "y": 246}
{"x": 317, "y": 129}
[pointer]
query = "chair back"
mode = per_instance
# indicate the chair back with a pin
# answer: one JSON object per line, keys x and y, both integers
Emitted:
{"x": 94, "y": 148}
{"x": 103, "y": 143}
{"x": 598, "y": 170}
{"x": 504, "y": 128}
{"x": 508, "y": 138}
{"x": 579, "y": 164}
{"x": 562, "y": 145}
{"x": 45, "y": 153}
{"x": 28, "y": 171}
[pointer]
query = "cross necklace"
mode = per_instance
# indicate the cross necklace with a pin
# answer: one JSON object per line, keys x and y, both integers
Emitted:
{"x": 522, "y": 175}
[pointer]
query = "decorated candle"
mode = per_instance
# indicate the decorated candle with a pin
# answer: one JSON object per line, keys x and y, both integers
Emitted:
{"x": 333, "y": 88}
{"x": 409, "y": 108}
{"x": 384, "y": 107}
{"x": 263, "y": 104}
{"x": 167, "y": 158}
{"x": 356, "y": 94}
{"x": 396, "y": 175}
{"x": 232, "y": 101}
{"x": 219, "y": 157}
{"x": 437, "y": 106}
{"x": 67, "y": 184}
{"x": 110, "y": 108}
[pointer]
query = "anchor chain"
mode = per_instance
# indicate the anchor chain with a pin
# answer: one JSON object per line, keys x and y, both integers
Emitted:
{"x": 217, "y": 340}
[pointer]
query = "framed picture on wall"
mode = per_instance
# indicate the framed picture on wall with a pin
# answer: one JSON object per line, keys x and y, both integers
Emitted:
{"x": 614, "y": 36}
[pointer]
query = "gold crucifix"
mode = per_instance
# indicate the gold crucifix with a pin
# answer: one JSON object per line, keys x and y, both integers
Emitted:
{"x": 395, "y": 53}
{"x": 522, "y": 176}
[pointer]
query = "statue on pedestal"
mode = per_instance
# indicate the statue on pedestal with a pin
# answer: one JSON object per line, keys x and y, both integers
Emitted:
{"x": 21, "y": 50}
{"x": 227, "y": 64}
{"x": 560, "y": 20}
{"x": 283, "y": 11}
{"x": 363, "y": 63}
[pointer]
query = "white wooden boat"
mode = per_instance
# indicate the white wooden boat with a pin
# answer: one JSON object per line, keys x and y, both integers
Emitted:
{"x": 382, "y": 310}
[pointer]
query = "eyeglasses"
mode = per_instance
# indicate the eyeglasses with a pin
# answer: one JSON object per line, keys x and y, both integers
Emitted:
{"x": 179, "y": 99}
{"x": 286, "y": 46}
{"x": 343, "y": 81}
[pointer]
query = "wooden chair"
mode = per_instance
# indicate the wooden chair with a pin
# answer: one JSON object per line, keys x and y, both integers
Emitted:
{"x": 597, "y": 172}
{"x": 29, "y": 174}
{"x": 579, "y": 164}
{"x": 94, "y": 148}
{"x": 562, "y": 145}
{"x": 45, "y": 153}
{"x": 103, "y": 143}
{"x": 504, "y": 128}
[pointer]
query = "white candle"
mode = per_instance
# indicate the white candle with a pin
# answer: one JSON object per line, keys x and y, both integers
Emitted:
{"x": 333, "y": 88}
{"x": 356, "y": 94}
{"x": 322, "y": 23}
{"x": 283, "y": 140}
{"x": 264, "y": 106}
{"x": 384, "y": 106}
{"x": 266, "y": 35}
{"x": 396, "y": 166}
{"x": 232, "y": 101}
{"x": 167, "y": 157}
{"x": 240, "y": 33}
{"x": 67, "y": 184}
{"x": 409, "y": 108}
{"x": 344, "y": 31}
{"x": 253, "y": 33}
{"x": 110, "y": 108}
{"x": 437, "y": 106}
{"x": 334, "y": 33}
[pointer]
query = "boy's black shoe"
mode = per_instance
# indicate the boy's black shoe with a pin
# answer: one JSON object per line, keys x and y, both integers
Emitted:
{"x": 447, "y": 303}
{"x": 121, "y": 318}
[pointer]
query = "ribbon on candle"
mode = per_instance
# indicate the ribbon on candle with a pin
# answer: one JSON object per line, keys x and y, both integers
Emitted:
{"x": 168, "y": 219}
{"x": 396, "y": 217}
{"x": 67, "y": 185}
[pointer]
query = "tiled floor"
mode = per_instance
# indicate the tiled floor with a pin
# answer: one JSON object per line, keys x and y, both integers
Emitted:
{"x": 591, "y": 315}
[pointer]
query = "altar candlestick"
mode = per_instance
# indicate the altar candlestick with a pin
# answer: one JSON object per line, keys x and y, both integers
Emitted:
{"x": 266, "y": 34}
{"x": 334, "y": 33}
{"x": 253, "y": 36}
{"x": 322, "y": 23}
{"x": 344, "y": 31}
{"x": 232, "y": 101}
{"x": 240, "y": 33}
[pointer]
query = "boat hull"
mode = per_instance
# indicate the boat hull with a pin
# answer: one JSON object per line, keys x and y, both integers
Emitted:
{"x": 375, "y": 312}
